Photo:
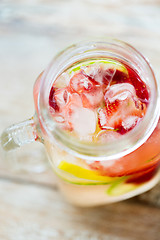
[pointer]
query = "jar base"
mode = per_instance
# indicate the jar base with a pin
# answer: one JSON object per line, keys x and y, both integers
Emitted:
{"x": 94, "y": 195}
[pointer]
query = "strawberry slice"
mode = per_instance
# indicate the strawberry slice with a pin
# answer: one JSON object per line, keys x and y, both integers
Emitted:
{"x": 80, "y": 83}
{"x": 92, "y": 99}
{"x": 142, "y": 91}
{"x": 108, "y": 75}
{"x": 120, "y": 77}
{"x": 61, "y": 96}
{"x": 52, "y": 101}
{"x": 119, "y": 92}
{"x": 89, "y": 90}
{"x": 143, "y": 176}
{"x": 107, "y": 72}
{"x": 123, "y": 110}
{"x": 73, "y": 102}
{"x": 58, "y": 98}
{"x": 137, "y": 168}
{"x": 120, "y": 117}
{"x": 94, "y": 73}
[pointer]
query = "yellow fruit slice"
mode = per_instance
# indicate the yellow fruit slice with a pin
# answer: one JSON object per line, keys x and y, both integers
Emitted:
{"x": 83, "y": 173}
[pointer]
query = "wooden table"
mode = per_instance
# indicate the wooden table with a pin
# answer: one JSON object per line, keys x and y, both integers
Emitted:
{"x": 31, "y": 33}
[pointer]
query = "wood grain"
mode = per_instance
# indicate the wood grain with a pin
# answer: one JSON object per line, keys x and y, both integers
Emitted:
{"x": 31, "y": 33}
{"x": 36, "y": 212}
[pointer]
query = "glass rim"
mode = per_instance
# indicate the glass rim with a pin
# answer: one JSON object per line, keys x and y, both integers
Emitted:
{"x": 94, "y": 151}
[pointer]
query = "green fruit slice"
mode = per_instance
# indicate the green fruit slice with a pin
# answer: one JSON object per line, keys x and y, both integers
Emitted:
{"x": 120, "y": 188}
{"x": 83, "y": 173}
{"x": 109, "y": 63}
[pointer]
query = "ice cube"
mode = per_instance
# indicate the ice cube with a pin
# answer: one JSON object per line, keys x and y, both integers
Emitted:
{"x": 94, "y": 72}
{"x": 80, "y": 83}
{"x": 61, "y": 97}
{"x": 62, "y": 81}
{"x": 108, "y": 76}
{"x": 94, "y": 98}
{"x": 130, "y": 122}
{"x": 119, "y": 92}
{"x": 107, "y": 136}
{"x": 83, "y": 121}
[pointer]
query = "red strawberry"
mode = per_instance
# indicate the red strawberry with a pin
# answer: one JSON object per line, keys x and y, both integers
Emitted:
{"x": 89, "y": 90}
{"x": 121, "y": 167}
{"x": 140, "y": 87}
{"x": 120, "y": 77}
{"x": 119, "y": 92}
{"x": 140, "y": 161}
{"x": 58, "y": 98}
{"x": 108, "y": 117}
{"x": 123, "y": 109}
{"x": 94, "y": 73}
{"x": 52, "y": 101}
{"x": 143, "y": 176}
{"x": 108, "y": 75}
{"x": 92, "y": 99}
{"x": 80, "y": 83}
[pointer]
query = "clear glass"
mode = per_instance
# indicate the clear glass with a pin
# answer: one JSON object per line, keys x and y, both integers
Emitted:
{"x": 78, "y": 166}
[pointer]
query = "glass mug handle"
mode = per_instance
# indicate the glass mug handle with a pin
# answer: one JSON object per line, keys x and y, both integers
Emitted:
{"x": 20, "y": 134}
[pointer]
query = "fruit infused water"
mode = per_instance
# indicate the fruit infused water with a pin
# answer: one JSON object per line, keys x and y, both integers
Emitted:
{"x": 100, "y": 101}
{"x": 97, "y": 113}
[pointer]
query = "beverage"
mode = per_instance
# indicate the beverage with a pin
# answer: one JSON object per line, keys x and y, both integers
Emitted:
{"x": 100, "y": 101}
{"x": 97, "y": 114}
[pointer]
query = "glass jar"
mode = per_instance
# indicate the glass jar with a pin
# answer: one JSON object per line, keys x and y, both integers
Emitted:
{"x": 92, "y": 174}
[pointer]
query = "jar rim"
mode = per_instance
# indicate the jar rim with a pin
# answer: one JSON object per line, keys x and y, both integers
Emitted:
{"x": 92, "y": 152}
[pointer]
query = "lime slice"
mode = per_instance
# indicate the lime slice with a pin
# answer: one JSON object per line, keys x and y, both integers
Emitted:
{"x": 83, "y": 173}
{"x": 109, "y": 63}
{"x": 120, "y": 188}
{"x": 78, "y": 66}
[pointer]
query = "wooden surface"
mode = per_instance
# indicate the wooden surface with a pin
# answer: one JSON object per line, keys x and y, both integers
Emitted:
{"x": 31, "y": 33}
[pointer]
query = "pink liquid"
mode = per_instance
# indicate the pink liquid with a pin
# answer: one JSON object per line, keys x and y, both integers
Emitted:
{"x": 114, "y": 100}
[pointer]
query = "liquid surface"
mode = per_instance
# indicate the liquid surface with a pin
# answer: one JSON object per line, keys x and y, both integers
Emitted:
{"x": 99, "y": 100}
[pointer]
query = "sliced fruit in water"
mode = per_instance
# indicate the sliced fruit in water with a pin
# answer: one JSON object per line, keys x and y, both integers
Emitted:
{"x": 120, "y": 188}
{"x": 123, "y": 109}
{"x": 92, "y": 99}
{"x": 83, "y": 173}
{"x": 80, "y": 83}
{"x": 142, "y": 91}
{"x": 119, "y": 92}
{"x": 105, "y": 72}
{"x": 90, "y": 66}
{"x": 52, "y": 101}
{"x": 90, "y": 92}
